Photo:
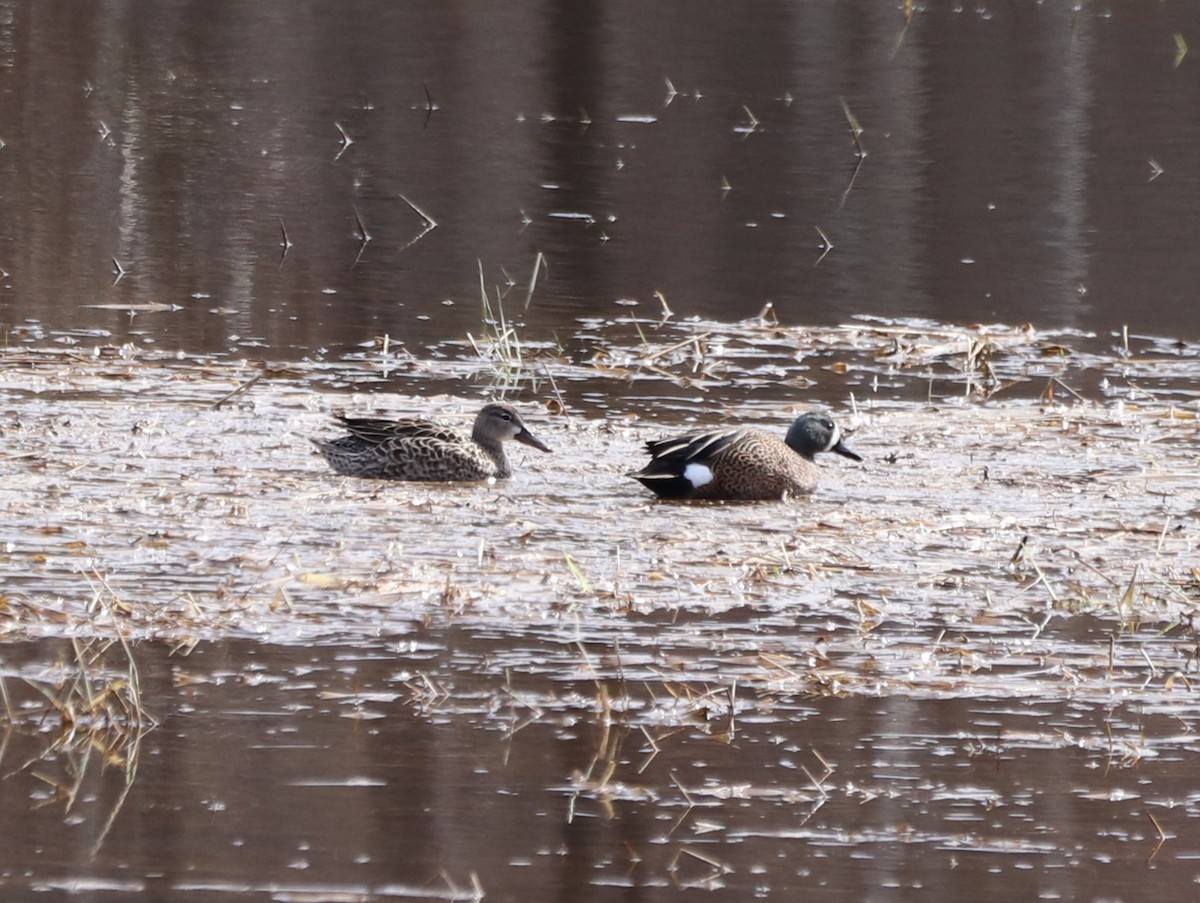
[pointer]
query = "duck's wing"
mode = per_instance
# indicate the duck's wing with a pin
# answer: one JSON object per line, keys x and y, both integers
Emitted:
{"x": 680, "y": 465}
{"x": 377, "y": 432}
{"x": 679, "y": 451}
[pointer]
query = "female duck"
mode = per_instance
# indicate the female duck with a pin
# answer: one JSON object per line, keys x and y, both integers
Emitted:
{"x": 419, "y": 450}
{"x": 742, "y": 463}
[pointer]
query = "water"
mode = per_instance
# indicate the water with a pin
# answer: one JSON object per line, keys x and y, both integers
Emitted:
{"x": 696, "y": 152}
{"x": 967, "y": 663}
{"x": 964, "y": 669}
{"x": 301, "y": 773}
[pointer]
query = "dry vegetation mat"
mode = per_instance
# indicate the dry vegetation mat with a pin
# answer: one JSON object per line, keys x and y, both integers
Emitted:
{"x": 1025, "y": 518}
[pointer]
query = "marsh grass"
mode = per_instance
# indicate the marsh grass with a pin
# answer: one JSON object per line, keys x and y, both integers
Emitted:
{"x": 499, "y": 341}
{"x": 712, "y": 634}
{"x": 90, "y": 707}
{"x": 1085, "y": 479}
{"x": 90, "y": 698}
{"x": 577, "y": 572}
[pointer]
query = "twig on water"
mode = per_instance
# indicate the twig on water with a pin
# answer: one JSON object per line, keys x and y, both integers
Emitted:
{"x": 1129, "y": 598}
{"x": 752, "y": 124}
{"x": 906, "y": 9}
{"x": 654, "y": 749}
{"x": 856, "y": 130}
{"x": 361, "y": 233}
{"x": 131, "y": 760}
{"x": 562, "y": 404}
{"x": 860, "y": 152}
{"x": 430, "y": 106}
{"x": 430, "y": 224}
{"x": 285, "y": 242}
{"x": 1162, "y": 534}
{"x": 457, "y": 893}
{"x": 691, "y": 804}
{"x": 667, "y": 312}
{"x": 692, "y": 340}
{"x": 8, "y": 709}
{"x": 1162, "y": 837}
{"x": 239, "y": 390}
{"x": 581, "y": 579}
{"x": 1149, "y": 664}
{"x": 1041, "y": 578}
{"x": 1048, "y": 392}
{"x": 538, "y": 263}
{"x": 707, "y": 881}
{"x": 346, "y": 140}
{"x": 828, "y": 245}
{"x": 671, "y": 92}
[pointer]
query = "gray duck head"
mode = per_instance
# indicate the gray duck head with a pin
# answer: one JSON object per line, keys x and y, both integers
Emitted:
{"x": 816, "y": 432}
{"x": 499, "y": 422}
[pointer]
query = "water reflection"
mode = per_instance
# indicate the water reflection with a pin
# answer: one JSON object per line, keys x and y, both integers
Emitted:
{"x": 376, "y": 771}
{"x": 1007, "y": 175}
{"x": 964, "y": 670}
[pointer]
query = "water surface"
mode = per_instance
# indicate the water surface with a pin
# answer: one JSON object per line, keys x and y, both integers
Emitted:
{"x": 1025, "y": 162}
{"x": 964, "y": 669}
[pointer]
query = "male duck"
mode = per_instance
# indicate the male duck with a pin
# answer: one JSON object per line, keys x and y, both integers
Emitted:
{"x": 742, "y": 463}
{"x": 419, "y": 450}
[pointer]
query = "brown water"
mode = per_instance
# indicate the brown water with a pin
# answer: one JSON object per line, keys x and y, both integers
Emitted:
{"x": 335, "y": 773}
{"x": 1011, "y": 152}
{"x": 963, "y": 670}
{"x": 964, "y": 667}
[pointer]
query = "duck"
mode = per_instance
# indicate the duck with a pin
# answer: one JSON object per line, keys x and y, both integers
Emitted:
{"x": 742, "y": 464}
{"x": 418, "y": 450}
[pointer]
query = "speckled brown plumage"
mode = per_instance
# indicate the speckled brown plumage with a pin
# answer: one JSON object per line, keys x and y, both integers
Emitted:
{"x": 742, "y": 464}
{"x": 419, "y": 450}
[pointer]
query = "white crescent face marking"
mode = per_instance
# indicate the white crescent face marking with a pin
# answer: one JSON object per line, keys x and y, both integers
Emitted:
{"x": 697, "y": 475}
{"x": 835, "y": 438}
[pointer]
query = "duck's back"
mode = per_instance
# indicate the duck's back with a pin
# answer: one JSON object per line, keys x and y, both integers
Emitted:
{"x": 413, "y": 450}
{"x": 742, "y": 464}
{"x": 758, "y": 465}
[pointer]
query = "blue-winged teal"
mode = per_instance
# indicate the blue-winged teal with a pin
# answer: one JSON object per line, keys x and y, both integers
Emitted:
{"x": 742, "y": 463}
{"x": 419, "y": 450}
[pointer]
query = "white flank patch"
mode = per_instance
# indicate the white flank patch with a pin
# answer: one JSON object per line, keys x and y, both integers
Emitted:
{"x": 697, "y": 475}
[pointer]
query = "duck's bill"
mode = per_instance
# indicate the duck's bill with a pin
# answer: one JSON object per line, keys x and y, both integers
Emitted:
{"x": 530, "y": 439}
{"x": 841, "y": 449}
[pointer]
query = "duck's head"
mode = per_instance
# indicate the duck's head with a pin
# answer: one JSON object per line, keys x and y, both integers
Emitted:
{"x": 499, "y": 422}
{"x": 817, "y": 432}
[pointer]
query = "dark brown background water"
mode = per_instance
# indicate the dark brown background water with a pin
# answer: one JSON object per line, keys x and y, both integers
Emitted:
{"x": 693, "y": 149}
{"x": 1008, "y": 175}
